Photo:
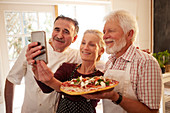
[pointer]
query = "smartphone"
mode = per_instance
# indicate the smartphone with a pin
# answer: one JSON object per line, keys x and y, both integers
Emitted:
{"x": 40, "y": 37}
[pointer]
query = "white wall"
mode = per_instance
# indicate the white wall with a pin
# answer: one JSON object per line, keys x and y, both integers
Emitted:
{"x": 4, "y": 67}
{"x": 55, "y": 2}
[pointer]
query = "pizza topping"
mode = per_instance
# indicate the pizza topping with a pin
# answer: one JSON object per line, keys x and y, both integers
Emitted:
{"x": 107, "y": 83}
{"x": 103, "y": 84}
{"x": 83, "y": 84}
{"x": 80, "y": 78}
{"x": 97, "y": 81}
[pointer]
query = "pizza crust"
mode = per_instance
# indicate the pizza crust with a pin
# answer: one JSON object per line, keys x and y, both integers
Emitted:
{"x": 63, "y": 89}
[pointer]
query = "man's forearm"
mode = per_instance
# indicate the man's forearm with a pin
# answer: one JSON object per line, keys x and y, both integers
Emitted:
{"x": 133, "y": 106}
{"x": 9, "y": 93}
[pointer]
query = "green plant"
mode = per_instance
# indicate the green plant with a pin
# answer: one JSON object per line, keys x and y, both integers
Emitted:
{"x": 162, "y": 57}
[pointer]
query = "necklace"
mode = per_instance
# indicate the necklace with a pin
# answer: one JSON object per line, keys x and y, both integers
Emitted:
{"x": 76, "y": 70}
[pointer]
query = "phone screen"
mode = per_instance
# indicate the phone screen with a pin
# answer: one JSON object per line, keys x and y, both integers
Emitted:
{"x": 40, "y": 37}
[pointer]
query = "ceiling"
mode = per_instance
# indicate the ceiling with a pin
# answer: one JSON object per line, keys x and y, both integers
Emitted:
{"x": 54, "y": 2}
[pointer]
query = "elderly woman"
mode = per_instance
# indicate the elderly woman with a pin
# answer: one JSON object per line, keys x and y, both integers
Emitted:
{"x": 91, "y": 49}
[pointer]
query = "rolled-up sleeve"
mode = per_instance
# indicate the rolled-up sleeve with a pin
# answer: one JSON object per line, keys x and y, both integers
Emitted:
{"x": 19, "y": 68}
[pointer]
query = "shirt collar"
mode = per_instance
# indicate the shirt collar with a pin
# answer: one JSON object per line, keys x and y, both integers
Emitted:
{"x": 112, "y": 57}
{"x": 129, "y": 54}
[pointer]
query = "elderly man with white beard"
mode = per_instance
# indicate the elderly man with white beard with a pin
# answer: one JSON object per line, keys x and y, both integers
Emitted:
{"x": 138, "y": 73}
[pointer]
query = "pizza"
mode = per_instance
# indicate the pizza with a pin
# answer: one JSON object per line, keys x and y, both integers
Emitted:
{"x": 80, "y": 85}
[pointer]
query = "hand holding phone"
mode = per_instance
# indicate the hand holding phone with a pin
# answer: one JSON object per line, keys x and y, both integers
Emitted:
{"x": 40, "y": 37}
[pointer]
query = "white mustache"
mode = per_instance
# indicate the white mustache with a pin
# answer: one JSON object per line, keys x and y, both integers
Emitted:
{"x": 59, "y": 39}
{"x": 108, "y": 40}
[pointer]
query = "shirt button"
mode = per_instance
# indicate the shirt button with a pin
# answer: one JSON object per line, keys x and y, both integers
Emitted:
{"x": 62, "y": 96}
{"x": 88, "y": 100}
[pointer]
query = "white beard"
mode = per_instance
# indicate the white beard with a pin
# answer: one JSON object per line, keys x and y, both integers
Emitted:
{"x": 117, "y": 46}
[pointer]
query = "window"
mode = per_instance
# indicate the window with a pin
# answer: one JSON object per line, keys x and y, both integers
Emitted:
{"x": 19, "y": 26}
{"x": 20, "y": 21}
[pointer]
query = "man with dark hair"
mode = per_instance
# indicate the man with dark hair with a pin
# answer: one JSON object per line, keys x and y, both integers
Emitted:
{"x": 35, "y": 101}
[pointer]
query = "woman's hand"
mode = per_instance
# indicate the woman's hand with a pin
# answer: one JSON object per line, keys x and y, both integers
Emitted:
{"x": 42, "y": 72}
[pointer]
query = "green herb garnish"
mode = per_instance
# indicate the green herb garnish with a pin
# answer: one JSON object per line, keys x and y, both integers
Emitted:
{"x": 107, "y": 83}
{"x": 100, "y": 80}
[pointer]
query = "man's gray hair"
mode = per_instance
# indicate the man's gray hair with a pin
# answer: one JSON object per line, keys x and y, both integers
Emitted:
{"x": 126, "y": 20}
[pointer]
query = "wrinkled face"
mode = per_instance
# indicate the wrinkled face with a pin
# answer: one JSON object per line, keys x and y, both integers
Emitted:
{"x": 63, "y": 35}
{"x": 114, "y": 37}
{"x": 89, "y": 48}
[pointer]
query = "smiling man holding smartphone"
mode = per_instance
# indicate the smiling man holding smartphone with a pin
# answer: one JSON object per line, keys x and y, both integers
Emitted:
{"x": 35, "y": 101}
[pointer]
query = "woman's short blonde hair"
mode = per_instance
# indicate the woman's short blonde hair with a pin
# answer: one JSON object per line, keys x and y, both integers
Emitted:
{"x": 100, "y": 36}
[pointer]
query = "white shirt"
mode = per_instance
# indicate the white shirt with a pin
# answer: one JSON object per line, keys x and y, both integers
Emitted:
{"x": 35, "y": 101}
